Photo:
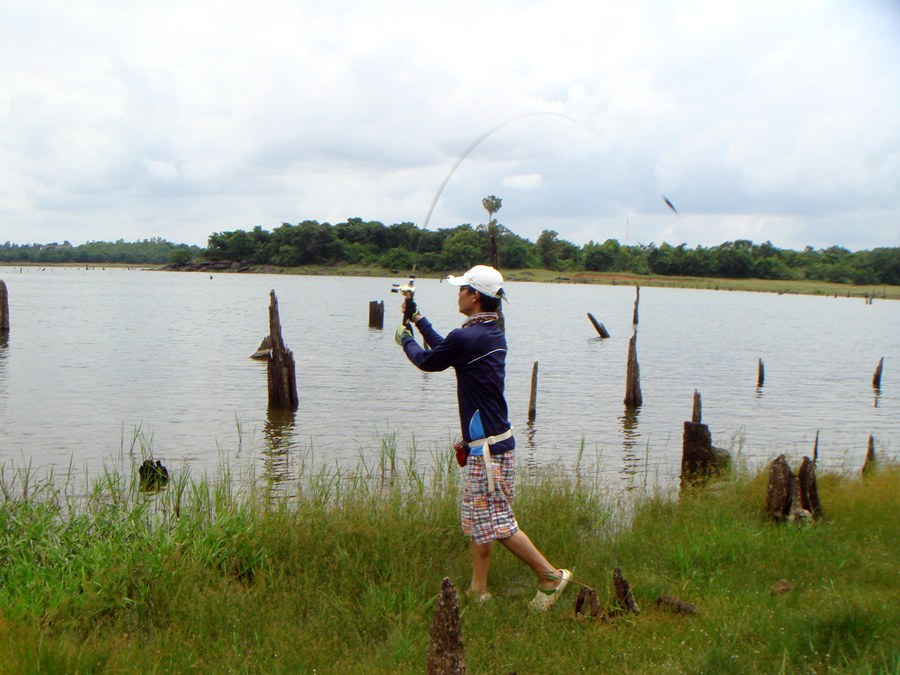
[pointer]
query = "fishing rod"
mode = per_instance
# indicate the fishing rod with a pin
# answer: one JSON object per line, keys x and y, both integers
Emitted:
{"x": 408, "y": 289}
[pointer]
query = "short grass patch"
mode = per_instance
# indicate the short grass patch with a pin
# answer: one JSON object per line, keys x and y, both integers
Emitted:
{"x": 340, "y": 573}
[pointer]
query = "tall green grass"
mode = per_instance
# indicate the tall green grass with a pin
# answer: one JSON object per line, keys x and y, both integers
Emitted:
{"x": 338, "y": 571}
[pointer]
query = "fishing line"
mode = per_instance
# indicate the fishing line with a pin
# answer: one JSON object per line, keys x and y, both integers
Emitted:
{"x": 478, "y": 141}
{"x": 410, "y": 286}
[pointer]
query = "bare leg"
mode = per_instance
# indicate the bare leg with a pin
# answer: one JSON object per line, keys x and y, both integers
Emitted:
{"x": 481, "y": 563}
{"x": 520, "y": 546}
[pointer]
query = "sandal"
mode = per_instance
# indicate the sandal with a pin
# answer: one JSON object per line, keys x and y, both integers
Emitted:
{"x": 480, "y": 599}
{"x": 545, "y": 598}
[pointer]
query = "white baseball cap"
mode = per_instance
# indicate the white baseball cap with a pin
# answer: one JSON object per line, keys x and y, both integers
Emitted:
{"x": 483, "y": 279}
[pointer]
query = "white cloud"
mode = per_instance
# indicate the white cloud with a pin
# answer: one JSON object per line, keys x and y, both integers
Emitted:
{"x": 176, "y": 119}
{"x": 527, "y": 181}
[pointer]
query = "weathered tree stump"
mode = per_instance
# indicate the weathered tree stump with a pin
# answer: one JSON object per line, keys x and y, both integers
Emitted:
{"x": 637, "y": 299}
{"x": 699, "y": 459}
{"x": 789, "y": 497}
{"x": 282, "y": 375}
{"x": 4, "y": 308}
{"x": 446, "y": 653}
{"x": 624, "y": 597}
{"x": 532, "y": 401}
{"x": 152, "y": 476}
{"x": 797, "y": 513}
{"x": 264, "y": 350}
{"x": 675, "y": 604}
{"x": 778, "y": 491}
{"x": 876, "y": 378}
{"x": 376, "y": 314}
{"x": 809, "y": 491}
{"x": 697, "y": 411}
{"x": 816, "y": 447}
{"x": 633, "y": 395}
{"x": 761, "y": 374}
{"x": 599, "y": 327}
{"x": 870, "y": 462}
{"x": 587, "y": 604}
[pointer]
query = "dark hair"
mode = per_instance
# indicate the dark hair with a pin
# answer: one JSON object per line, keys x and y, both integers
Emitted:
{"x": 489, "y": 304}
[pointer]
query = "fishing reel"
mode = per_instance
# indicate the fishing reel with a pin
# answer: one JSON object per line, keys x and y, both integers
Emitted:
{"x": 408, "y": 290}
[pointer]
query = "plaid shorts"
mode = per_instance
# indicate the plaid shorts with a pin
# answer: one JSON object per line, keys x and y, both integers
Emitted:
{"x": 486, "y": 518}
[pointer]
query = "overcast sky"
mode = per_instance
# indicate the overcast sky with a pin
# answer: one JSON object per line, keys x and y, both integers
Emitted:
{"x": 765, "y": 120}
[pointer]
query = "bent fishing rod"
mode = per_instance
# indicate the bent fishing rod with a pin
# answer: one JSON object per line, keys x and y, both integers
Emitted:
{"x": 408, "y": 289}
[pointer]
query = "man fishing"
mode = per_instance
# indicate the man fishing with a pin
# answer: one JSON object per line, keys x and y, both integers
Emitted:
{"x": 477, "y": 352}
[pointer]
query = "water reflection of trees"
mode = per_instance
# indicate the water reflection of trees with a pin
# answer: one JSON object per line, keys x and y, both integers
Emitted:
{"x": 631, "y": 460}
{"x": 279, "y": 435}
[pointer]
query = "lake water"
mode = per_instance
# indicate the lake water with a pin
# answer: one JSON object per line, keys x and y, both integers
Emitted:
{"x": 102, "y": 364}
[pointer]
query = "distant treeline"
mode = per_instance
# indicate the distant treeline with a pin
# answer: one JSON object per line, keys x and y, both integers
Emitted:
{"x": 154, "y": 251}
{"x": 401, "y": 245}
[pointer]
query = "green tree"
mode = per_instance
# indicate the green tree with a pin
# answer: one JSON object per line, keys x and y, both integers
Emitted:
{"x": 602, "y": 257}
{"x": 308, "y": 243}
{"x": 180, "y": 256}
{"x": 462, "y": 249}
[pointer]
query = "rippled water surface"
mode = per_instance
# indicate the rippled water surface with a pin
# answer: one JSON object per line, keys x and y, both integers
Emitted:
{"x": 98, "y": 362}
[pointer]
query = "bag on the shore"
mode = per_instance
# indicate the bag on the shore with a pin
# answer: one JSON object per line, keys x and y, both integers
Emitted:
{"x": 462, "y": 452}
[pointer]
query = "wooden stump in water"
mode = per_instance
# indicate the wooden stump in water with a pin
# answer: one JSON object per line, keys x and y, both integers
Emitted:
{"x": 376, "y": 314}
{"x": 532, "y": 401}
{"x": 599, "y": 327}
{"x": 446, "y": 653}
{"x": 869, "y": 464}
{"x": 4, "y": 308}
{"x": 761, "y": 374}
{"x": 809, "y": 491}
{"x": 633, "y": 395}
{"x": 699, "y": 459}
{"x": 282, "y": 375}
{"x": 637, "y": 299}
{"x": 264, "y": 350}
{"x": 697, "y": 412}
{"x": 876, "y": 378}
{"x": 152, "y": 476}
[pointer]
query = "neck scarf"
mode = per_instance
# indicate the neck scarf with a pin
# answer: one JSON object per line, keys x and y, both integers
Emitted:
{"x": 481, "y": 317}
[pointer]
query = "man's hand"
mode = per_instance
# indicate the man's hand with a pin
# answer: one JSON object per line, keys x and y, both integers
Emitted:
{"x": 402, "y": 333}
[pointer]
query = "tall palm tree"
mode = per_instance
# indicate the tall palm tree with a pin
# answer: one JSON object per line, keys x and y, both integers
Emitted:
{"x": 492, "y": 204}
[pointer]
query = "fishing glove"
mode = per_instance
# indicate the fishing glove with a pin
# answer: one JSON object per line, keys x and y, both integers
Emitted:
{"x": 402, "y": 333}
{"x": 409, "y": 310}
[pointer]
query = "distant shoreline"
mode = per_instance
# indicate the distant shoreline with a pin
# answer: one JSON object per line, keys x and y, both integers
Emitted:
{"x": 779, "y": 286}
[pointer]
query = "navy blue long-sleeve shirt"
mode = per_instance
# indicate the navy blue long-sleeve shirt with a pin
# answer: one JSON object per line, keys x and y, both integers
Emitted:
{"x": 478, "y": 355}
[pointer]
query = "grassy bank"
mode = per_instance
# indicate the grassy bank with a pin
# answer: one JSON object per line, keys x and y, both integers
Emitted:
{"x": 342, "y": 576}
{"x": 779, "y": 286}
{"x": 795, "y": 287}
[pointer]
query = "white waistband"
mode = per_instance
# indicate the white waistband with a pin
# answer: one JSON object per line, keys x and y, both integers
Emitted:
{"x": 492, "y": 440}
{"x": 486, "y": 444}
